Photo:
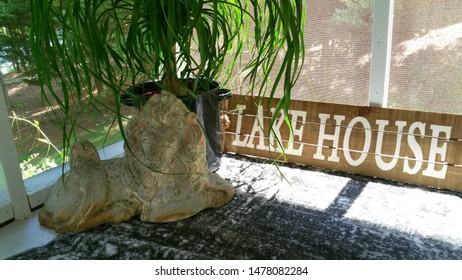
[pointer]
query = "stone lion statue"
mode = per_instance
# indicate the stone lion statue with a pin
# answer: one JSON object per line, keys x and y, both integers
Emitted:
{"x": 162, "y": 177}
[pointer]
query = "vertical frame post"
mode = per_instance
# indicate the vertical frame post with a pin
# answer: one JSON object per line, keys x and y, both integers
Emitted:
{"x": 381, "y": 53}
{"x": 9, "y": 165}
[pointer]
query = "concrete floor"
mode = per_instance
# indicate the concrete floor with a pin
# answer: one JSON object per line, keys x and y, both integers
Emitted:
{"x": 307, "y": 214}
{"x": 20, "y": 236}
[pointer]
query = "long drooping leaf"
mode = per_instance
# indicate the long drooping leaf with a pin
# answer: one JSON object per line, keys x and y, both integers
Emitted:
{"x": 122, "y": 42}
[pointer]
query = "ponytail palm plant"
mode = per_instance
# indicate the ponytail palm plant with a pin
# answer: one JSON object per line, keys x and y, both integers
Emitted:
{"x": 79, "y": 44}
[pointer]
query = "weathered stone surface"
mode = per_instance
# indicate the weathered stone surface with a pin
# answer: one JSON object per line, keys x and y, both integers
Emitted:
{"x": 162, "y": 177}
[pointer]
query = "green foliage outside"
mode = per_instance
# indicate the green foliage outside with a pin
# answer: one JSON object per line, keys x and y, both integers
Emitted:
{"x": 356, "y": 14}
{"x": 15, "y": 22}
{"x": 40, "y": 153}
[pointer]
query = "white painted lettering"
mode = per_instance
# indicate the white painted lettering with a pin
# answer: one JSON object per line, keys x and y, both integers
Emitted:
{"x": 275, "y": 134}
{"x": 367, "y": 141}
{"x": 297, "y": 131}
{"x": 415, "y": 147}
{"x": 257, "y": 128}
{"x": 386, "y": 166}
{"x": 386, "y": 156}
{"x": 333, "y": 137}
{"x": 437, "y": 150}
{"x": 237, "y": 141}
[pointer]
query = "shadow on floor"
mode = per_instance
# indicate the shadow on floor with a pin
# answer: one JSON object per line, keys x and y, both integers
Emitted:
{"x": 252, "y": 226}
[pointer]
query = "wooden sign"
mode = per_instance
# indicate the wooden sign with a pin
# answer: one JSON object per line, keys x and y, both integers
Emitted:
{"x": 409, "y": 146}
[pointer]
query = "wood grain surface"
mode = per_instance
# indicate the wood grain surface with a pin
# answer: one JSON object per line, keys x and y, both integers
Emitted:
{"x": 409, "y": 146}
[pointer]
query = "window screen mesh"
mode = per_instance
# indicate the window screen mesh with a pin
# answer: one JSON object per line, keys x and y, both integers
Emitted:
{"x": 338, "y": 37}
{"x": 338, "y": 50}
{"x": 426, "y": 67}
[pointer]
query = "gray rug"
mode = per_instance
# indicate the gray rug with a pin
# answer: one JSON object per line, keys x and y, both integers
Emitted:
{"x": 307, "y": 213}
